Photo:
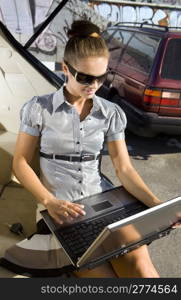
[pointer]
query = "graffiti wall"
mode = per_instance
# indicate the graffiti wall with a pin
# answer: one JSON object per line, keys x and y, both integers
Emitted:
{"x": 50, "y": 44}
{"x": 166, "y": 2}
{"x": 26, "y": 16}
{"x": 154, "y": 2}
{"x": 158, "y": 12}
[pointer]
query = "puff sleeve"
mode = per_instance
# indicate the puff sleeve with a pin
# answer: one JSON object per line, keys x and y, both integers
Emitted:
{"x": 117, "y": 125}
{"x": 31, "y": 117}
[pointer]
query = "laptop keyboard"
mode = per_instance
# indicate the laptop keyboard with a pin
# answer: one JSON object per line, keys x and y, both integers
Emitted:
{"x": 79, "y": 237}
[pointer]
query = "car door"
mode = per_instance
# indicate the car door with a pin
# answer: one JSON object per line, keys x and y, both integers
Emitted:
{"x": 116, "y": 40}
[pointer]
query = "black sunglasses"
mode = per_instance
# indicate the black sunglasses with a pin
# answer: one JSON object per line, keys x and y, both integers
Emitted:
{"x": 83, "y": 78}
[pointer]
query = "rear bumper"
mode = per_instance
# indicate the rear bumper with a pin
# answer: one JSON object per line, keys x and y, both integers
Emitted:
{"x": 150, "y": 121}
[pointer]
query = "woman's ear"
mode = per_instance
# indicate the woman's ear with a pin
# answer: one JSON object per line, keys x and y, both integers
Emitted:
{"x": 64, "y": 68}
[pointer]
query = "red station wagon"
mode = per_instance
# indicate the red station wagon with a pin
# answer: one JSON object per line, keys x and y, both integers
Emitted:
{"x": 145, "y": 76}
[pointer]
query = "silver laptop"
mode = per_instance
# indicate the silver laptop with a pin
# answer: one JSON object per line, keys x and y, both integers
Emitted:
{"x": 115, "y": 223}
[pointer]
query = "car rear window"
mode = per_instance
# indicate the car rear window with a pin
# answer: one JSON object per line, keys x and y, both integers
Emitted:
{"x": 136, "y": 50}
{"x": 140, "y": 52}
{"x": 172, "y": 61}
{"x": 116, "y": 40}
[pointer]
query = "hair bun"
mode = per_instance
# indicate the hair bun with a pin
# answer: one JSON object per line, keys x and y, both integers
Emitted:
{"x": 95, "y": 34}
{"x": 83, "y": 28}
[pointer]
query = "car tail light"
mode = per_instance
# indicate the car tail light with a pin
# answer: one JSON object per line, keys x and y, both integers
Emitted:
{"x": 154, "y": 97}
{"x": 170, "y": 99}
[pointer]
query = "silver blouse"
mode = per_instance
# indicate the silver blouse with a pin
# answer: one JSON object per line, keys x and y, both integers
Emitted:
{"x": 61, "y": 132}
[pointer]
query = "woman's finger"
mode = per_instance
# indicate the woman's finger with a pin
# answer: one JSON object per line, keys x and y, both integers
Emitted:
{"x": 66, "y": 212}
{"x": 57, "y": 219}
{"x": 77, "y": 208}
{"x": 72, "y": 212}
{"x": 67, "y": 215}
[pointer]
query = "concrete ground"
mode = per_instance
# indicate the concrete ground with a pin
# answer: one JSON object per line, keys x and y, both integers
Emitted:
{"x": 16, "y": 205}
{"x": 157, "y": 162}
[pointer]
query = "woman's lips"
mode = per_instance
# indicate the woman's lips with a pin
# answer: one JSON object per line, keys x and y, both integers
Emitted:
{"x": 90, "y": 91}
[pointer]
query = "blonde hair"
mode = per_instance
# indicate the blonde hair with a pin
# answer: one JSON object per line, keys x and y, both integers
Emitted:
{"x": 85, "y": 41}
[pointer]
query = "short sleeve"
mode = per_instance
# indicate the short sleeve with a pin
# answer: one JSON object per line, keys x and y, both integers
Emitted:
{"x": 31, "y": 117}
{"x": 117, "y": 126}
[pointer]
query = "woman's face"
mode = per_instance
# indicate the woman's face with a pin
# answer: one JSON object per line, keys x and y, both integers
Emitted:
{"x": 95, "y": 66}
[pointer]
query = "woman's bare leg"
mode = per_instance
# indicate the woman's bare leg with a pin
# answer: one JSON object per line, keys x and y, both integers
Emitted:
{"x": 135, "y": 264}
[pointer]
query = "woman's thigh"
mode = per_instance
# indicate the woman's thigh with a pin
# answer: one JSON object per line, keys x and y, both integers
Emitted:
{"x": 136, "y": 263}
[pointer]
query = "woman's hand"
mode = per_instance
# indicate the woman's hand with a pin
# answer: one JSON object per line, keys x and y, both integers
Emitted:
{"x": 64, "y": 211}
{"x": 177, "y": 224}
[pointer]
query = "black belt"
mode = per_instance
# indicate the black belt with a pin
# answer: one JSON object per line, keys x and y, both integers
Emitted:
{"x": 84, "y": 157}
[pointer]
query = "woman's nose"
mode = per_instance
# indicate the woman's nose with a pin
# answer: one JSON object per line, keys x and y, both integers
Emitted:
{"x": 95, "y": 84}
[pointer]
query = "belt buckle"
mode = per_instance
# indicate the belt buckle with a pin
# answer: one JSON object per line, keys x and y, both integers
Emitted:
{"x": 70, "y": 158}
{"x": 85, "y": 156}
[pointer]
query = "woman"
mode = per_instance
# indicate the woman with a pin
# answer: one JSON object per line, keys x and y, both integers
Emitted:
{"x": 70, "y": 123}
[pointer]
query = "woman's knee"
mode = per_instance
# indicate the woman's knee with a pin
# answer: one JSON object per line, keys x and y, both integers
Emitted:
{"x": 140, "y": 254}
{"x": 142, "y": 262}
